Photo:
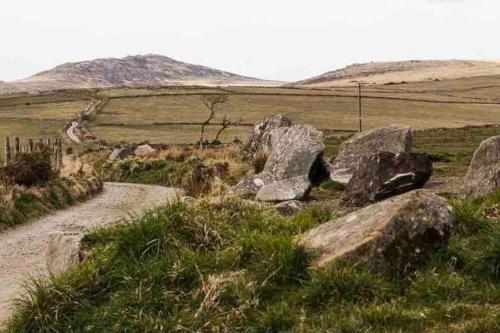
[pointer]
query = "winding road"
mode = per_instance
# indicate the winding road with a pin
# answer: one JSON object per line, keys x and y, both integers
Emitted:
{"x": 23, "y": 249}
{"x": 70, "y": 132}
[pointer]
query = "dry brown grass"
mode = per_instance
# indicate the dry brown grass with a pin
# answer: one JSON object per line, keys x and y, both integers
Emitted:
{"x": 174, "y": 153}
{"x": 174, "y": 119}
{"x": 226, "y": 154}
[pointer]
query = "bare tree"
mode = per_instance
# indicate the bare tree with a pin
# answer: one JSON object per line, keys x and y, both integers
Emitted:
{"x": 213, "y": 103}
{"x": 226, "y": 123}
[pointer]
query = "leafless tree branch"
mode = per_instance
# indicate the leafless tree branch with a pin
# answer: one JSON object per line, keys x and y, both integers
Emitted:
{"x": 213, "y": 103}
{"x": 226, "y": 123}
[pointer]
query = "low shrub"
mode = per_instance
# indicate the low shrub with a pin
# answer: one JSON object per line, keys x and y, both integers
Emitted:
{"x": 196, "y": 171}
{"x": 18, "y": 204}
{"x": 28, "y": 169}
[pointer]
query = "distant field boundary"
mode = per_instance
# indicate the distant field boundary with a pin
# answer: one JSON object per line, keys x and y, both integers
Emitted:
{"x": 228, "y": 92}
{"x": 309, "y": 95}
{"x": 172, "y": 124}
{"x": 212, "y": 124}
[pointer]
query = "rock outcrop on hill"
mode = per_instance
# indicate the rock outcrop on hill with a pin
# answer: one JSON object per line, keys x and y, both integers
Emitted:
{"x": 394, "y": 139}
{"x": 386, "y": 174}
{"x": 483, "y": 175}
{"x": 394, "y": 234}
{"x": 402, "y": 72}
{"x": 132, "y": 71}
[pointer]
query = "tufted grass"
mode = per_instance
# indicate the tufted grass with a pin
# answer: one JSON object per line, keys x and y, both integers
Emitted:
{"x": 19, "y": 204}
{"x": 231, "y": 267}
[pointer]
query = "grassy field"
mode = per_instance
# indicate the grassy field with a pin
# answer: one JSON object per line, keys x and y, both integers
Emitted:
{"x": 36, "y": 120}
{"x": 166, "y": 115}
{"x": 172, "y": 114}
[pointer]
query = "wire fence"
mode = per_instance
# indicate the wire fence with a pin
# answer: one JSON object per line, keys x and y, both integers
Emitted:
{"x": 12, "y": 148}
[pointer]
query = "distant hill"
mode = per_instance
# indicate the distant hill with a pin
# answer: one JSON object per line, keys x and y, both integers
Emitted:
{"x": 132, "y": 71}
{"x": 402, "y": 71}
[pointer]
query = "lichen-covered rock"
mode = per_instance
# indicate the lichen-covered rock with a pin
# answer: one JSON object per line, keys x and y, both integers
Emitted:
{"x": 120, "y": 153}
{"x": 296, "y": 188}
{"x": 64, "y": 251}
{"x": 249, "y": 186}
{"x": 395, "y": 139}
{"x": 295, "y": 150}
{"x": 386, "y": 174}
{"x": 296, "y": 156}
{"x": 260, "y": 140}
{"x": 394, "y": 234}
{"x": 144, "y": 150}
{"x": 289, "y": 208}
{"x": 483, "y": 175}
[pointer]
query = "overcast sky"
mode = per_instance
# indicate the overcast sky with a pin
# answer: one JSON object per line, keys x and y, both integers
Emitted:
{"x": 272, "y": 39}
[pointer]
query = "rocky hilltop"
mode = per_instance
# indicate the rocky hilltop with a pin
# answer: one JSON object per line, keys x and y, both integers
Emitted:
{"x": 132, "y": 71}
{"x": 399, "y": 71}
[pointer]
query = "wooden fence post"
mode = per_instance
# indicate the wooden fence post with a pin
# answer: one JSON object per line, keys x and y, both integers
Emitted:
{"x": 54, "y": 145}
{"x": 60, "y": 156}
{"x": 7, "y": 154}
{"x": 18, "y": 146}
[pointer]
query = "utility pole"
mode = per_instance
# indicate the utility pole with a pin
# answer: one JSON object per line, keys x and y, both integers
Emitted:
{"x": 359, "y": 107}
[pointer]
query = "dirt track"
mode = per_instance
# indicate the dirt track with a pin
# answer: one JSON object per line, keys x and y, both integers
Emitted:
{"x": 23, "y": 250}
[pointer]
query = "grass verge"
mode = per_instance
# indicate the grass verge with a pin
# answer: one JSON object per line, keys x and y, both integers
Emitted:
{"x": 232, "y": 267}
{"x": 19, "y": 204}
{"x": 197, "y": 171}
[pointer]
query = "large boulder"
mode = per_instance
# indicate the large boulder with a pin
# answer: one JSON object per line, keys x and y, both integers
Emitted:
{"x": 386, "y": 174}
{"x": 296, "y": 188}
{"x": 483, "y": 175}
{"x": 394, "y": 139}
{"x": 260, "y": 139}
{"x": 394, "y": 234}
{"x": 295, "y": 150}
{"x": 144, "y": 150}
{"x": 64, "y": 251}
{"x": 294, "y": 163}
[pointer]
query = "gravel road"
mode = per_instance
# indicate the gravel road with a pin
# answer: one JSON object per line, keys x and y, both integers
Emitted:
{"x": 23, "y": 249}
{"x": 71, "y": 134}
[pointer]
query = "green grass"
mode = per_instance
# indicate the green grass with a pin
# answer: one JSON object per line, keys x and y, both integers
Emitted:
{"x": 229, "y": 267}
{"x": 195, "y": 176}
{"x": 136, "y": 114}
{"x": 35, "y": 121}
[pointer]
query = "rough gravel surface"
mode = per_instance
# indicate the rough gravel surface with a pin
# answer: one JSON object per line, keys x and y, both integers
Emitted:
{"x": 23, "y": 249}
